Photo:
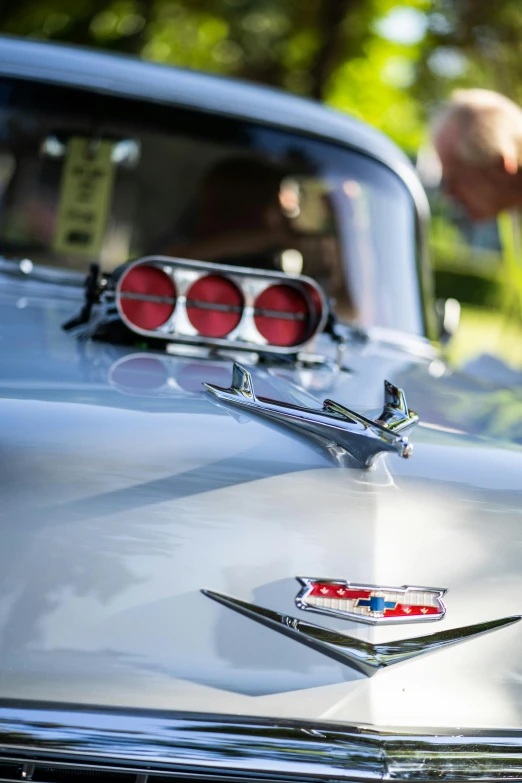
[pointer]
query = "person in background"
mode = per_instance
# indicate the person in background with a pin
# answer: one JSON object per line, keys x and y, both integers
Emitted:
{"x": 478, "y": 138}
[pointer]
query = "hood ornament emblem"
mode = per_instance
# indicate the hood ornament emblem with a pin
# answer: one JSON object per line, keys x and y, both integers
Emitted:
{"x": 371, "y": 603}
{"x": 341, "y": 434}
{"x": 364, "y": 657}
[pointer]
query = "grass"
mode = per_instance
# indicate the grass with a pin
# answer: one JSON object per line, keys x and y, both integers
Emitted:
{"x": 483, "y": 330}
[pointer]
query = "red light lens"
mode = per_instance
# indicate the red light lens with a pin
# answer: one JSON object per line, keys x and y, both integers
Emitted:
{"x": 147, "y": 296}
{"x": 214, "y": 306}
{"x": 282, "y": 315}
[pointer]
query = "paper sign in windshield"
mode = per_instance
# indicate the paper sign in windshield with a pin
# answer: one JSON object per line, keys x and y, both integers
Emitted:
{"x": 85, "y": 197}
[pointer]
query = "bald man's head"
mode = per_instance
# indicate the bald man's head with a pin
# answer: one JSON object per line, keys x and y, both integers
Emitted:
{"x": 481, "y": 125}
{"x": 478, "y": 137}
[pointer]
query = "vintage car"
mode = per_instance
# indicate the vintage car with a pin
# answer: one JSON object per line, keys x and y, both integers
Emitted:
{"x": 228, "y": 543}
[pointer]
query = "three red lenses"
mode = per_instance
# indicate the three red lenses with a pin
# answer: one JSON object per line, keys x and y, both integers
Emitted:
{"x": 195, "y": 301}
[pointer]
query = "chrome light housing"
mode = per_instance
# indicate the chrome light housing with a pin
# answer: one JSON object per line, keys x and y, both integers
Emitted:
{"x": 203, "y": 303}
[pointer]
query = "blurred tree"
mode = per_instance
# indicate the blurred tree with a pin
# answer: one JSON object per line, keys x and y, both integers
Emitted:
{"x": 330, "y": 50}
{"x": 384, "y": 62}
{"x": 471, "y": 44}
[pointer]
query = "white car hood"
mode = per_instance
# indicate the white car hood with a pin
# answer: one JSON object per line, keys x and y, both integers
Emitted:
{"x": 121, "y": 503}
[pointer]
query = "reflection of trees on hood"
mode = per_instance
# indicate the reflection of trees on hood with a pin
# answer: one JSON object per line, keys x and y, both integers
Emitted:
{"x": 496, "y": 414}
{"x": 465, "y": 404}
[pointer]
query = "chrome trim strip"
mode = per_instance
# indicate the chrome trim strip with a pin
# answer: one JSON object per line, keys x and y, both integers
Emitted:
{"x": 252, "y": 748}
{"x": 364, "y": 657}
{"x": 198, "y": 743}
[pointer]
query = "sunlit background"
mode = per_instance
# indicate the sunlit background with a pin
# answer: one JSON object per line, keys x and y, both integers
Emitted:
{"x": 387, "y": 63}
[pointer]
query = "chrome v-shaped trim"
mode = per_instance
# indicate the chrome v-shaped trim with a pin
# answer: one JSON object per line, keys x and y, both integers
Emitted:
{"x": 341, "y": 434}
{"x": 362, "y": 656}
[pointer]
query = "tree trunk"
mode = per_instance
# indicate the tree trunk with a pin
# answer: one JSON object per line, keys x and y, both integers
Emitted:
{"x": 331, "y": 16}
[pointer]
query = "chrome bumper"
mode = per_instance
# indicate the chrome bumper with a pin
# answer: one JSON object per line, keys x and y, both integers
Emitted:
{"x": 152, "y": 745}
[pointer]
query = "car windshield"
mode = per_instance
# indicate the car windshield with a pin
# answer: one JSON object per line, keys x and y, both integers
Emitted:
{"x": 86, "y": 177}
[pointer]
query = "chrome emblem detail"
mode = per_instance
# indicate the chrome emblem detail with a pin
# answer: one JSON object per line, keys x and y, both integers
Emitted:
{"x": 371, "y": 603}
{"x": 342, "y": 435}
{"x": 364, "y": 657}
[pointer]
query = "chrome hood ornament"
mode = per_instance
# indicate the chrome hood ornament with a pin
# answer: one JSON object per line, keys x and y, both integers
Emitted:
{"x": 343, "y": 435}
{"x": 373, "y": 604}
{"x": 364, "y": 657}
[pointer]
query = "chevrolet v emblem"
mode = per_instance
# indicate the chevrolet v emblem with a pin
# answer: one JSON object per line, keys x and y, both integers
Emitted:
{"x": 372, "y": 604}
{"x": 362, "y": 656}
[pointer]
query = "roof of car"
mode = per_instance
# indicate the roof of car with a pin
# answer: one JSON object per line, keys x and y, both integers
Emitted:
{"x": 130, "y": 77}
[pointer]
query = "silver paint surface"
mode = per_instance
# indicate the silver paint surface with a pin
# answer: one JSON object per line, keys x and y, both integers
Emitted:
{"x": 126, "y": 491}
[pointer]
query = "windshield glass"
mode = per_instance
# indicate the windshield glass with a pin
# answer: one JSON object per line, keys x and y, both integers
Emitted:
{"x": 87, "y": 177}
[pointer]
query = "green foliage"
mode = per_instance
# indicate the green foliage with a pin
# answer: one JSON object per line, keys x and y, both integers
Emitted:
{"x": 471, "y": 275}
{"x": 334, "y": 50}
{"x": 470, "y": 44}
{"x": 469, "y": 288}
{"x": 386, "y": 63}
{"x": 372, "y": 87}
{"x": 486, "y": 330}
